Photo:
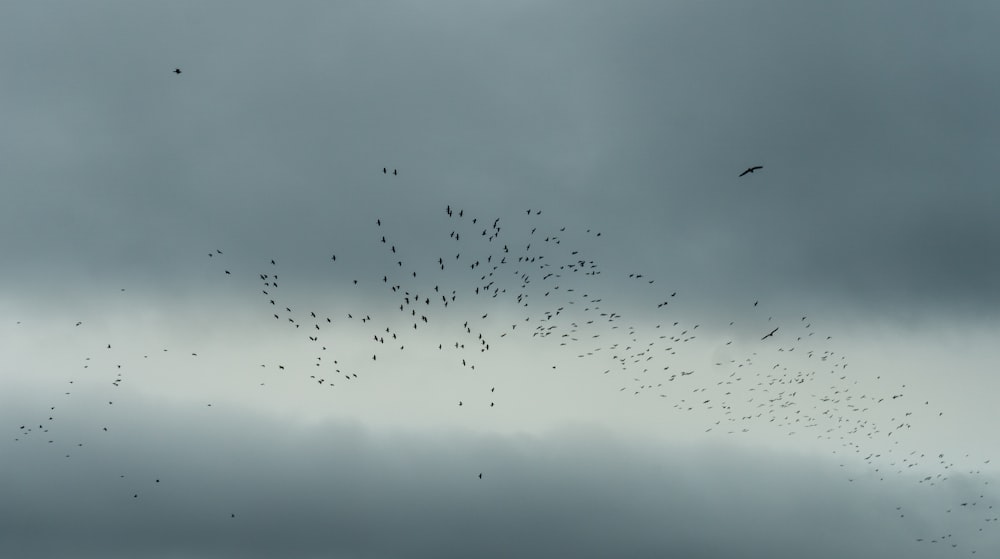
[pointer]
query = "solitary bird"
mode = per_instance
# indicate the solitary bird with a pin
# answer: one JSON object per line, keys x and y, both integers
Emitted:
{"x": 752, "y": 169}
{"x": 177, "y": 70}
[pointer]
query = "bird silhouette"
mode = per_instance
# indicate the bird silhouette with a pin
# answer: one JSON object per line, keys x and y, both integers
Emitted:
{"x": 752, "y": 169}
{"x": 177, "y": 70}
{"x": 535, "y": 277}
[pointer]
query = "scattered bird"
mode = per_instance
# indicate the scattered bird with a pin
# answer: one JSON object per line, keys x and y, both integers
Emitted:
{"x": 546, "y": 285}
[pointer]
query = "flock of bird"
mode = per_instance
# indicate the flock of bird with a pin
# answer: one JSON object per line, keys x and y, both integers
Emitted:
{"x": 492, "y": 281}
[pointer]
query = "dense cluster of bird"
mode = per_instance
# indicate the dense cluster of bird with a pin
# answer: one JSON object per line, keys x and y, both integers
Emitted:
{"x": 486, "y": 281}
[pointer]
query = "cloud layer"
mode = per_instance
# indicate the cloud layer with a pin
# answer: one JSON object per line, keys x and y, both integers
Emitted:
{"x": 342, "y": 490}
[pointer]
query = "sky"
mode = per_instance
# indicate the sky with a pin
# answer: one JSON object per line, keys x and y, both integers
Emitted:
{"x": 542, "y": 330}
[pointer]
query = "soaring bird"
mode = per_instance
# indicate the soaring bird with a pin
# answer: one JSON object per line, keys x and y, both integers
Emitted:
{"x": 771, "y": 333}
{"x": 752, "y": 169}
{"x": 177, "y": 70}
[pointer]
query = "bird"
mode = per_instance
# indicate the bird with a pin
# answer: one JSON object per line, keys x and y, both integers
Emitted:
{"x": 177, "y": 70}
{"x": 752, "y": 169}
{"x": 771, "y": 333}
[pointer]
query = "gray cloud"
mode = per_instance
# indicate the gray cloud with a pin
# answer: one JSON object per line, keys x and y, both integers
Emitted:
{"x": 876, "y": 187}
{"x": 342, "y": 490}
{"x": 874, "y": 124}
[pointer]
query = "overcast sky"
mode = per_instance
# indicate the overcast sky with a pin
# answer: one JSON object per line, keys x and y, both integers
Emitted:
{"x": 592, "y": 142}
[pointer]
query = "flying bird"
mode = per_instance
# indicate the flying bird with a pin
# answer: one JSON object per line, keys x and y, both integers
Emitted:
{"x": 752, "y": 169}
{"x": 177, "y": 70}
{"x": 771, "y": 333}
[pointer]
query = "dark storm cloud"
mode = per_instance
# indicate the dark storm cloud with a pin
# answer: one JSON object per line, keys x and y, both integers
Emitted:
{"x": 872, "y": 122}
{"x": 340, "y": 490}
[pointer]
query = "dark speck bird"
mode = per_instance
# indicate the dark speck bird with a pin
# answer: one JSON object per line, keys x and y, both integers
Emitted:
{"x": 177, "y": 70}
{"x": 751, "y": 169}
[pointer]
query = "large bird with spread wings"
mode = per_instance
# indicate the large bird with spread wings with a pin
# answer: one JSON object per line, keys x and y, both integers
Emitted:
{"x": 751, "y": 169}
